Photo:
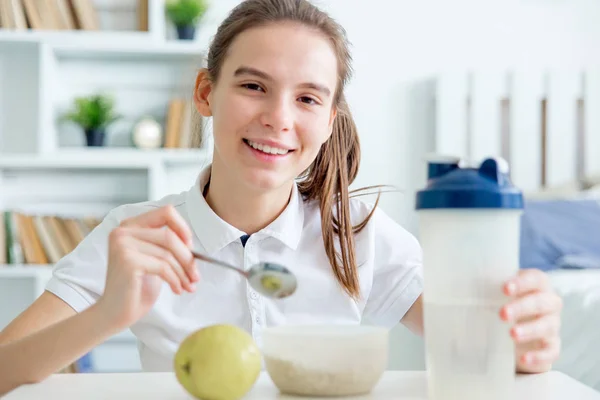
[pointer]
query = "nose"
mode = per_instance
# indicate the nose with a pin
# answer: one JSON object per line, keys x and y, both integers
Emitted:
{"x": 278, "y": 115}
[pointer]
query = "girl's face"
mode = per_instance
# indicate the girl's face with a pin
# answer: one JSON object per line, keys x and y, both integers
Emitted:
{"x": 272, "y": 106}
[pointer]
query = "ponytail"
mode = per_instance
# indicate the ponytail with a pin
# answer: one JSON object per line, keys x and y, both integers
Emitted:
{"x": 327, "y": 180}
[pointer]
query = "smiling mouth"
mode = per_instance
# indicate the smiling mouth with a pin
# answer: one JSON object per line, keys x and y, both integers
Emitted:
{"x": 267, "y": 149}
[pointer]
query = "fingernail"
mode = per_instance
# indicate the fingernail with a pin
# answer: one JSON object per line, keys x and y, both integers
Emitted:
{"x": 528, "y": 358}
{"x": 511, "y": 288}
{"x": 192, "y": 287}
{"x": 518, "y": 332}
{"x": 508, "y": 313}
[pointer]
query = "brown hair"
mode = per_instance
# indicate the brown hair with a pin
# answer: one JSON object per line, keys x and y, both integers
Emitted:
{"x": 336, "y": 165}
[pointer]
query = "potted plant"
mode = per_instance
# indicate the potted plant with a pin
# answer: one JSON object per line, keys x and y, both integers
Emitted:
{"x": 185, "y": 14}
{"x": 93, "y": 113}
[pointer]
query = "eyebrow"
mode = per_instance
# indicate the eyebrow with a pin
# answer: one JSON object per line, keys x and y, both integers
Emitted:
{"x": 243, "y": 70}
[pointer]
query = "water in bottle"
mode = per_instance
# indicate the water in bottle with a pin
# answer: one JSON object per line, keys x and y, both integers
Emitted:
{"x": 469, "y": 230}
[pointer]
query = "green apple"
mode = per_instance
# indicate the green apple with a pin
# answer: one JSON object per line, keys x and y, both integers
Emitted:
{"x": 218, "y": 362}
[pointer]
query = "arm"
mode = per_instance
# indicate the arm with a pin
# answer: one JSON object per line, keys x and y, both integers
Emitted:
{"x": 47, "y": 310}
{"x": 413, "y": 319}
{"x": 58, "y": 345}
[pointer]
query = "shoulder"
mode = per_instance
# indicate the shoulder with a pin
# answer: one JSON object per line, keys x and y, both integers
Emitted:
{"x": 92, "y": 249}
{"x": 79, "y": 276}
{"x": 381, "y": 233}
{"x": 120, "y": 213}
{"x": 390, "y": 238}
{"x": 97, "y": 239}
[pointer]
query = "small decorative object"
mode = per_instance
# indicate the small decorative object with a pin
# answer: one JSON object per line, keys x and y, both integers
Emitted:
{"x": 185, "y": 14}
{"x": 94, "y": 114}
{"x": 147, "y": 134}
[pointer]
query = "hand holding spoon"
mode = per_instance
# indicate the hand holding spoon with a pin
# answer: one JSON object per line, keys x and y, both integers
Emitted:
{"x": 268, "y": 279}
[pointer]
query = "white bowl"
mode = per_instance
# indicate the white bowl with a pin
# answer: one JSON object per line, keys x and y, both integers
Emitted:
{"x": 325, "y": 360}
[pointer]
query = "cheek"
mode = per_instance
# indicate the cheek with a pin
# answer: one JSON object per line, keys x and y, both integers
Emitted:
{"x": 231, "y": 116}
{"x": 316, "y": 131}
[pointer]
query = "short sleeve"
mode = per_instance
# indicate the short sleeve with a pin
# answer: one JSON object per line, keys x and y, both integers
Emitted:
{"x": 397, "y": 272}
{"x": 79, "y": 277}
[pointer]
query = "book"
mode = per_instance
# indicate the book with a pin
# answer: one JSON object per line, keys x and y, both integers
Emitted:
{"x": 86, "y": 15}
{"x": 183, "y": 125}
{"x": 142, "y": 14}
{"x": 64, "y": 14}
{"x": 173, "y": 123}
{"x": 14, "y": 251}
{"x": 32, "y": 11}
{"x": 3, "y": 251}
{"x": 186, "y": 128}
{"x": 6, "y": 13}
{"x": 49, "y": 245}
{"x": 18, "y": 13}
{"x": 27, "y": 238}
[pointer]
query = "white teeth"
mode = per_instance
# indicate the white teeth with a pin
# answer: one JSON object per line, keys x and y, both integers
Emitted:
{"x": 267, "y": 149}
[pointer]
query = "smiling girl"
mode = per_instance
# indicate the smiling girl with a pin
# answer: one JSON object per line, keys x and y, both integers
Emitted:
{"x": 285, "y": 152}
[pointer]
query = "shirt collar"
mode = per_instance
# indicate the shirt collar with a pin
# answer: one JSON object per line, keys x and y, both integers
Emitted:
{"x": 289, "y": 224}
{"x": 214, "y": 233}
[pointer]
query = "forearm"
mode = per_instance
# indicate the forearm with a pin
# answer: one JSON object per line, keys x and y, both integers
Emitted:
{"x": 35, "y": 357}
{"x": 413, "y": 319}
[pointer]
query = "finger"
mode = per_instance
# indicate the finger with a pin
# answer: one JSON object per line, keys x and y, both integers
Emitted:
{"x": 160, "y": 217}
{"x": 545, "y": 327}
{"x": 170, "y": 242}
{"x": 161, "y": 268}
{"x": 532, "y": 305}
{"x": 545, "y": 354}
{"x": 526, "y": 281}
{"x": 165, "y": 255}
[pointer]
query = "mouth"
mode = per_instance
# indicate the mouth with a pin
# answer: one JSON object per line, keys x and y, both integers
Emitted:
{"x": 273, "y": 151}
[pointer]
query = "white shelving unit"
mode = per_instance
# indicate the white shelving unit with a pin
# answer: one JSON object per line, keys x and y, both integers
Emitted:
{"x": 44, "y": 165}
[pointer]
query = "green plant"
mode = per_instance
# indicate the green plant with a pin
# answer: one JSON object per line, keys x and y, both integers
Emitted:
{"x": 93, "y": 112}
{"x": 185, "y": 12}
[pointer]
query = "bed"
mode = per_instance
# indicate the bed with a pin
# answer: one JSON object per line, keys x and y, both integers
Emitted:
{"x": 562, "y": 237}
{"x": 547, "y": 126}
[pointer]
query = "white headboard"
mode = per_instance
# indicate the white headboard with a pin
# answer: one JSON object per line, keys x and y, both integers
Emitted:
{"x": 546, "y": 124}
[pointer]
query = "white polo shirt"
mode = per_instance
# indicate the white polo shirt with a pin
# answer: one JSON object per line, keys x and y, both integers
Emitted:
{"x": 388, "y": 256}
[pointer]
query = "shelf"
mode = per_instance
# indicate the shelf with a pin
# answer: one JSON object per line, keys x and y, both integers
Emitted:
{"x": 74, "y": 36}
{"x": 106, "y": 158}
{"x": 126, "y": 51}
{"x": 25, "y": 271}
{"x": 124, "y": 45}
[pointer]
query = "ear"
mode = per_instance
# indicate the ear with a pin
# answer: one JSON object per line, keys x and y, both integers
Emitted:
{"x": 332, "y": 118}
{"x": 202, "y": 93}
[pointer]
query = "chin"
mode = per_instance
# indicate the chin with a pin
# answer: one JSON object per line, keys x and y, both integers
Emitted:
{"x": 264, "y": 180}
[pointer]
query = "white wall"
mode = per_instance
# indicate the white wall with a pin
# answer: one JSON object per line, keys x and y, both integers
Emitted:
{"x": 396, "y": 43}
{"x": 411, "y": 40}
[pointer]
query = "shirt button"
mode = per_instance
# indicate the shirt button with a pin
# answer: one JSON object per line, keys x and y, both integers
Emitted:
{"x": 253, "y": 295}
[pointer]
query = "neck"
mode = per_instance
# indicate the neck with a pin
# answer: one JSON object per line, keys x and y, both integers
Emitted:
{"x": 246, "y": 209}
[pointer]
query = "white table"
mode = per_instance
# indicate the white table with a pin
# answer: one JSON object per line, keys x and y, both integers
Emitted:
{"x": 397, "y": 385}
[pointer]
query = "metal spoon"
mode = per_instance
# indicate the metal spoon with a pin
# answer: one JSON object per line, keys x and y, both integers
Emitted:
{"x": 268, "y": 279}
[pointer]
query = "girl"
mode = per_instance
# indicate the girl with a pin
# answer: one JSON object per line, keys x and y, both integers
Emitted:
{"x": 285, "y": 151}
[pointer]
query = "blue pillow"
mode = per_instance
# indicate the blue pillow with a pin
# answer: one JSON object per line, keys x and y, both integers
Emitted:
{"x": 560, "y": 234}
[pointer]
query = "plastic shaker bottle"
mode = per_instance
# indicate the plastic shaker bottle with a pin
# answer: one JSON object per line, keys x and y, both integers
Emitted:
{"x": 469, "y": 228}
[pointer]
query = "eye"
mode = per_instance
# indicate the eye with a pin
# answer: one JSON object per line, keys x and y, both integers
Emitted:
{"x": 308, "y": 100}
{"x": 252, "y": 86}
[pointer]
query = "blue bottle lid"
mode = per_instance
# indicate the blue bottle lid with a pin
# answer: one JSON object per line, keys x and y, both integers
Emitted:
{"x": 451, "y": 186}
